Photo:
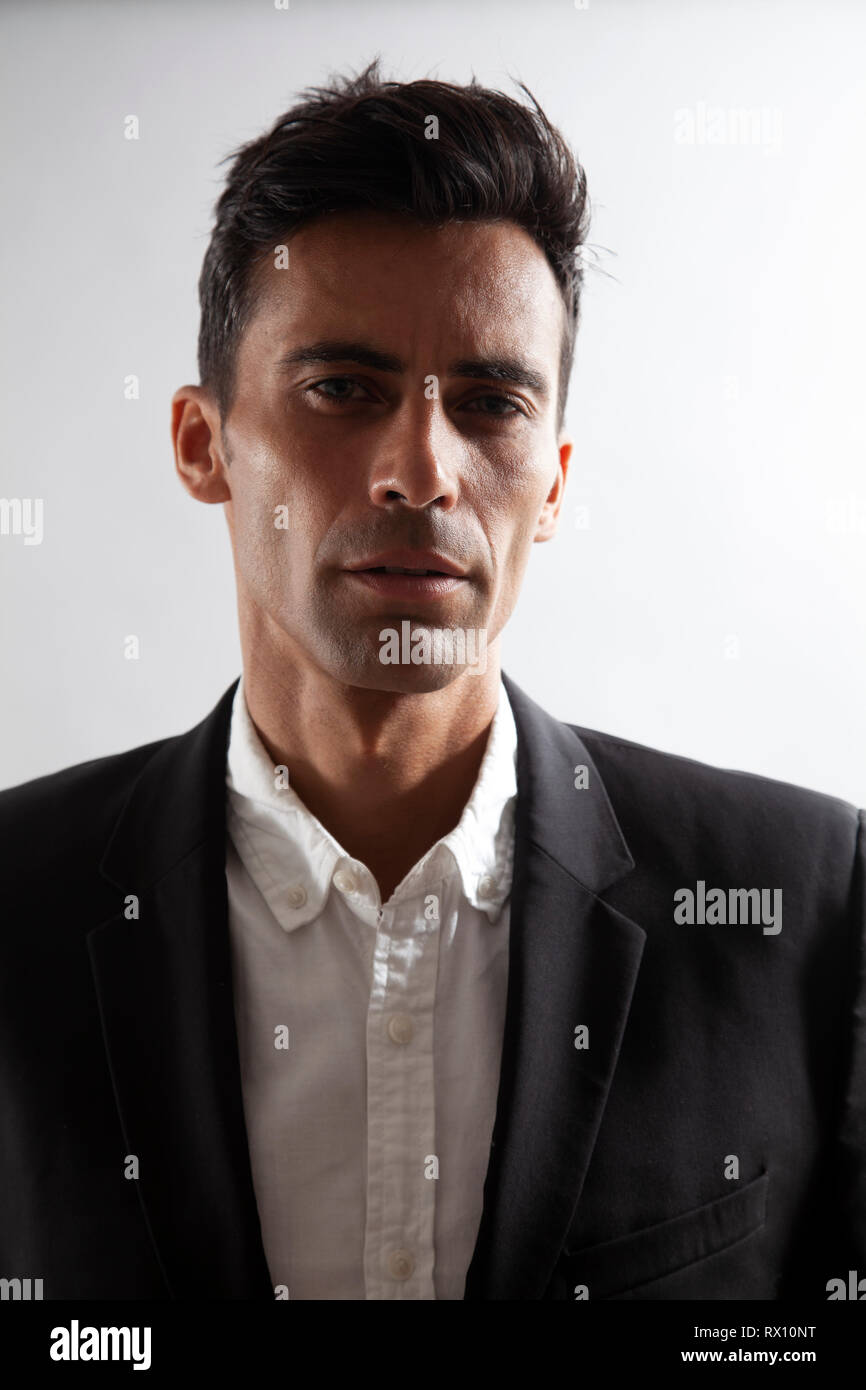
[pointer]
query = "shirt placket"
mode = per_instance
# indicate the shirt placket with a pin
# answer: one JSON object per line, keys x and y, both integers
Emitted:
{"x": 402, "y": 1168}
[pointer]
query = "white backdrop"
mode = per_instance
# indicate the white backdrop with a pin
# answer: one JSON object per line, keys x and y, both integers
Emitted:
{"x": 707, "y": 591}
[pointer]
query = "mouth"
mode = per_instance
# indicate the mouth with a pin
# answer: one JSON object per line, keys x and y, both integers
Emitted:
{"x": 402, "y": 560}
{"x": 397, "y": 569}
{"x": 398, "y": 582}
{"x": 408, "y": 574}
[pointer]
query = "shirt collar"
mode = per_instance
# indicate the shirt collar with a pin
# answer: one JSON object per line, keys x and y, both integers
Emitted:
{"x": 293, "y": 859}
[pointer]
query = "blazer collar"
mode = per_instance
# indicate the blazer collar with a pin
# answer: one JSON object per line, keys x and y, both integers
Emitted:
{"x": 574, "y": 824}
{"x": 176, "y": 806}
{"x": 164, "y": 983}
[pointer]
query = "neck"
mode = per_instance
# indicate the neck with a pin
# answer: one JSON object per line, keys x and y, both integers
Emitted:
{"x": 387, "y": 773}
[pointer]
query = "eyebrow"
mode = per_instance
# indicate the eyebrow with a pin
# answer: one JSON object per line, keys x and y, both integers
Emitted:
{"x": 506, "y": 369}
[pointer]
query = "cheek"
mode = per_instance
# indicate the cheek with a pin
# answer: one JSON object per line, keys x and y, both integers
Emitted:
{"x": 511, "y": 502}
{"x": 276, "y": 502}
{"x": 266, "y": 529}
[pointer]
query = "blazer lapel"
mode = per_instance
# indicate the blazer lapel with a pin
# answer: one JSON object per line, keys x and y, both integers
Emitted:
{"x": 573, "y": 962}
{"x": 165, "y": 994}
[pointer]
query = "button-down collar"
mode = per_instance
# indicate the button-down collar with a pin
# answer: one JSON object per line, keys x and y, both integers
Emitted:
{"x": 293, "y": 859}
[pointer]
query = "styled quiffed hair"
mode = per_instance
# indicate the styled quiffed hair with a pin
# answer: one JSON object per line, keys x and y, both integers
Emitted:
{"x": 360, "y": 143}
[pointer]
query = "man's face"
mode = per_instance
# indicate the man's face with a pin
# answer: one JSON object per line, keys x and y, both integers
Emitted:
{"x": 357, "y": 458}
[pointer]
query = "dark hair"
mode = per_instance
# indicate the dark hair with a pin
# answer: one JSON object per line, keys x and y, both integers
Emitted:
{"x": 360, "y": 143}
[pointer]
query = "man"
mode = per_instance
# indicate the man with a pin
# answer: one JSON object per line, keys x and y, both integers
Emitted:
{"x": 381, "y": 982}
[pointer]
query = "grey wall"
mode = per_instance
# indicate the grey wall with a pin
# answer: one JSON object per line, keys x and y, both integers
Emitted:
{"x": 710, "y": 598}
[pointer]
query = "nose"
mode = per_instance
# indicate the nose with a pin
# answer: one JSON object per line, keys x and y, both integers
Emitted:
{"x": 418, "y": 458}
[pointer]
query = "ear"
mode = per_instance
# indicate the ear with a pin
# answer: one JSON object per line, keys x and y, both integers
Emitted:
{"x": 199, "y": 451}
{"x": 547, "y": 521}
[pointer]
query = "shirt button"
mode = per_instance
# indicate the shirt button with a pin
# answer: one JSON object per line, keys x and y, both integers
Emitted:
{"x": 400, "y": 1264}
{"x": 297, "y": 895}
{"x": 401, "y": 1028}
{"x": 486, "y": 886}
{"x": 346, "y": 881}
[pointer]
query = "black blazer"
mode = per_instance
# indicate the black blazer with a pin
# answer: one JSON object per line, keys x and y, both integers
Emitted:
{"x": 610, "y": 1169}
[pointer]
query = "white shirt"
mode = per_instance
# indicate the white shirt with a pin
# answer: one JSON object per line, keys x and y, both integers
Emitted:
{"x": 370, "y": 1036}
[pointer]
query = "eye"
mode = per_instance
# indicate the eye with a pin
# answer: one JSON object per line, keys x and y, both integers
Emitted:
{"x": 498, "y": 400}
{"x": 341, "y": 399}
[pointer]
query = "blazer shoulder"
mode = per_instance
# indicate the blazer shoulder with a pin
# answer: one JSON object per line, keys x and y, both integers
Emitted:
{"x": 60, "y": 813}
{"x": 636, "y": 774}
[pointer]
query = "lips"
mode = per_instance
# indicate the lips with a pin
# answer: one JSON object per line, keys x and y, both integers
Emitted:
{"x": 398, "y": 569}
{"x": 423, "y": 563}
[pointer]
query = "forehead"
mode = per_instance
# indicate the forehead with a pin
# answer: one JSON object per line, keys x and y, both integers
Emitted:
{"x": 365, "y": 273}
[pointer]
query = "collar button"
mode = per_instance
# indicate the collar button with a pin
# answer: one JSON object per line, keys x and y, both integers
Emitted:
{"x": 486, "y": 886}
{"x": 297, "y": 895}
{"x": 346, "y": 881}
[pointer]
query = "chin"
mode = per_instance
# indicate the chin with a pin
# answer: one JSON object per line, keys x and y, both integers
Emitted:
{"x": 403, "y": 680}
{"x": 363, "y": 660}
